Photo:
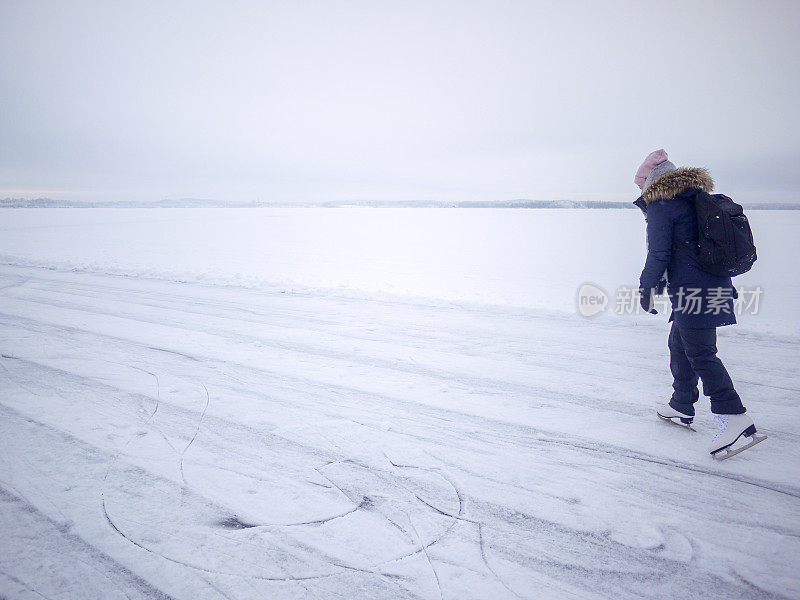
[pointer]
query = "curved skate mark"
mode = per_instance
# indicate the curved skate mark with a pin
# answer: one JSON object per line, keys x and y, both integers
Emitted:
{"x": 435, "y": 472}
{"x": 158, "y": 404}
{"x": 344, "y": 568}
{"x": 158, "y": 391}
{"x": 424, "y": 549}
{"x": 114, "y": 461}
{"x": 341, "y": 491}
{"x": 190, "y": 357}
{"x": 341, "y": 452}
{"x": 391, "y": 521}
{"x": 459, "y": 517}
{"x": 235, "y": 522}
{"x": 370, "y": 506}
{"x": 339, "y": 567}
{"x": 196, "y": 431}
{"x": 422, "y": 546}
{"x": 484, "y": 557}
{"x": 428, "y": 504}
{"x": 157, "y": 399}
{"x": 120, "y": 531}
{"x": 336, "y": 563}
{"x": 327, "y": 487}
{"x": 367, "y": 504}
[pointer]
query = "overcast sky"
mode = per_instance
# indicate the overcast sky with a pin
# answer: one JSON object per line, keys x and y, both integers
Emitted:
{"x": 305, "y": 101}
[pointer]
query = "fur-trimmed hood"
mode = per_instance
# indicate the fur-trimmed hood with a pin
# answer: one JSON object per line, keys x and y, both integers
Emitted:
{"x": 671, "y": 184}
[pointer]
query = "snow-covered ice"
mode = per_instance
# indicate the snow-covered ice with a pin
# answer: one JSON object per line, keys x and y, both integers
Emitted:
{"x": 375, "y": 404}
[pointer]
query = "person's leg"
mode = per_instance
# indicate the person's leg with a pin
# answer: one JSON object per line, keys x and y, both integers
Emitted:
{"x": 700, "y": 346}
{"x": 684, "y": 379}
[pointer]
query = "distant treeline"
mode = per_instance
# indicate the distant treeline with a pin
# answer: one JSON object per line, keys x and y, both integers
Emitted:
{"x": 208, "y": 203}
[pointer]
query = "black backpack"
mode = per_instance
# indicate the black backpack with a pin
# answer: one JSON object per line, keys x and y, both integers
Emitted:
{"x": 725, "y": 241}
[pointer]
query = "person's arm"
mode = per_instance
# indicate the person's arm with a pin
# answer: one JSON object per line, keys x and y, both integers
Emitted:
{"x": 659, "y": 247}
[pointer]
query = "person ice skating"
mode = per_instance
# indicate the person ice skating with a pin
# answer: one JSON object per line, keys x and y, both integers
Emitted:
{"x": 701, "y": 301}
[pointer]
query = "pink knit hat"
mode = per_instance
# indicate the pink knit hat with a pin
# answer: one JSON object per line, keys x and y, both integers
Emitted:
{"x": 651, "y": 162}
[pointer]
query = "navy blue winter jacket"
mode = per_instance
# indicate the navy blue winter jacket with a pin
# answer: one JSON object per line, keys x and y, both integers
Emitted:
{"x": 699, "y": 299}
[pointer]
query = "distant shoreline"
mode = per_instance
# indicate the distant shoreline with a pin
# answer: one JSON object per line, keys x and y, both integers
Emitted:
{"x": 206, "y": 203}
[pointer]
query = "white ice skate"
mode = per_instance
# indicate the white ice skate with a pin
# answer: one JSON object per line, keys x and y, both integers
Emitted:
{"x": 666, "y": 412}
{"x": 731, "y": 428}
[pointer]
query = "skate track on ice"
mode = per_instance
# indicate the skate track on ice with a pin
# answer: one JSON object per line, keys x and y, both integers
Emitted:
{"x": 173, "y": 440}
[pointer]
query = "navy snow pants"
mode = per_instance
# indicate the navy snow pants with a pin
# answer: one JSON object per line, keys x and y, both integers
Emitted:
{"x": 693, "y": 354}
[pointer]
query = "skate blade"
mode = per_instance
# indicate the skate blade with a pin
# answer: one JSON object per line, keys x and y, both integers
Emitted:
{"x": 727, "y": 452}
{"x": 678, "y": 422}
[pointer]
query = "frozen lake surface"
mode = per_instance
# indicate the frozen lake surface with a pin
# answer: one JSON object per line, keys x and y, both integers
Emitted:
{"x": 375, "y": 403}
{"x": 511, "y": 257}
